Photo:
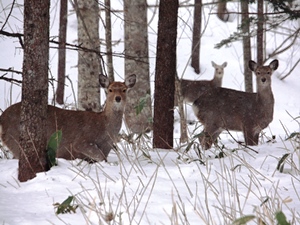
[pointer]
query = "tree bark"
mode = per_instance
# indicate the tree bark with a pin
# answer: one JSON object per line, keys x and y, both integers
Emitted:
{"x": 88, "y": 62}
{"x": 222, "y": 10}
{"x": 61, "y": 74}
{"x": 138, "y": 113}
{"x": 33, "y": 118}
{"x": 108, "y": 40}
{"x": 165, "y": 75}
{"x": 246, "y": 45}
{"x": 260, "y": 32}
{"x": 196, "y": 36}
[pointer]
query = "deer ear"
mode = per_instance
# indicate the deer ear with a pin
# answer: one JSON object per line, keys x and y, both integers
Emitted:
{"x": 224, "y": 64}
{"x": 130, "y": 80}
{"x": 252, "y": 65}
{"x": 213, "y": 63}
{"x": 274, "y": 64}
{"x": 104, "y": 81}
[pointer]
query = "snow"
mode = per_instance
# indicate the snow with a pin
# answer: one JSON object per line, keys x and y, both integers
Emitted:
{"x": 142, "y": 185}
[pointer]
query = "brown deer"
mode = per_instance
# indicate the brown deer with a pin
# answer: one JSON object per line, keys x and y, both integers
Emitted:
{"x": 85, "y": 135}
{"x": 192, "y": 89}
{"x": 226, "y": 109}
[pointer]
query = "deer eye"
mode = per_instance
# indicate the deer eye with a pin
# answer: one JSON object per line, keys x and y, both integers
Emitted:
{"x": 124, "y": 90}
{"x": 110, "y": 90}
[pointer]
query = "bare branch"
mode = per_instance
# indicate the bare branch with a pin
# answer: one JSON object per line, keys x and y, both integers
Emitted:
{"x": 11, "y": 80}
{"x": 11, "y": 9}
{"x": 10, "y": 70}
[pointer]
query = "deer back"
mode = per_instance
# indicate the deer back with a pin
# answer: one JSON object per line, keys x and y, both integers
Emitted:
{"x": 192, "y": 89}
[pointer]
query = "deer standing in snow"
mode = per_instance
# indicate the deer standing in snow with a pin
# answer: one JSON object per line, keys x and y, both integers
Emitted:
{"x": 189, "y": 90}
{"x": 226, "y": 109}
{"x": 85, "y": 135}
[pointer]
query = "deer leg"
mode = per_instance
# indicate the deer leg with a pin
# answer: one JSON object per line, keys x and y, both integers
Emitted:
{"x": 251, "y": 138}
{"x": 209, "y": 136}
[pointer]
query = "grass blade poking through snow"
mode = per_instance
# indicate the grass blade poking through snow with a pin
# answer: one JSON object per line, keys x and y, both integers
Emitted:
{"x": 52, "y": 147}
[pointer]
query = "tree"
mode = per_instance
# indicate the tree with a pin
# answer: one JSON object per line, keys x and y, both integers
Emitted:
{"x": 88, "y": 61}
{"x": 165, "y": 74}
{"x": 63, "y": 19}
{"x": 260, "y": 33}
{"x": 246, "y": 45}
{"x": 196, "y": 36}
{"x": 138, "y": 113}
{"x": 110, "y": 66}
{"x": 222, "y": 10}
{"x": 33, "y": 140}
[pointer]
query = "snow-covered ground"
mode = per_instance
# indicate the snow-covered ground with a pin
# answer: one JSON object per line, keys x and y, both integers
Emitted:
{"x": 142, "y": 185}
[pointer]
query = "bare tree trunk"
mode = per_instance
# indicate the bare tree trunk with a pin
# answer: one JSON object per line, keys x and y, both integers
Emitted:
{"x": 33, "y": 139}
{"x": 138, "y": 118}
{"x": 110, "y": 66}
{"x": 222, "y": 10}
{"x": 246, "y": 45}
{"x": 260, "y": 32}
{"x": 88, "y": 62}
{"x": 63, "y": 20}
{"x": 196, "y": 36}
{"x": 165, "y": 75}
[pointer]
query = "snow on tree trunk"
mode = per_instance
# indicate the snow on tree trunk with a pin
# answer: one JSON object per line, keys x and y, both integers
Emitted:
{"x": 138, "y": 114}
{"x": 88, "y": 62}
{"x": 33, "y": 118}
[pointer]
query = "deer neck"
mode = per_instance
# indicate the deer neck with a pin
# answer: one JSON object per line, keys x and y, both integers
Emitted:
{"x": 113, "y": 118}
{"x": 217, "y": 81}
{"x": 266, "y": 101}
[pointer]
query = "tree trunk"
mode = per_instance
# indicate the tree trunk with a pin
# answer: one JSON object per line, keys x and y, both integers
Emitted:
{"x": 246, "y": 45}
{"x": 88, "y": 62}
{"x": 138, "y": 113}
{"x": 196, "y": 36}
{"x": 165, "y": 75}
{"x": 63, "y": 20}
{"x": 222, "y": 10}
{"x": 33, "y": 139}
{"x": 260, "y": 32}
{"x": 110, "y": 66}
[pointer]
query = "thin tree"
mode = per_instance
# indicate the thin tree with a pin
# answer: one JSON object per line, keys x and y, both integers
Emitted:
{"x": 63, "y": 20}
{"x": 108, "y": 40}
{"x": 33, "y": 140}
{"x": 89, "y": 65}
{"x": 260, "y": 33}
{"x": 138, "y": 113}
{"x": 165, "y": 74}
{"x": 246, "y": 45}
{"x": 195, "y": 63}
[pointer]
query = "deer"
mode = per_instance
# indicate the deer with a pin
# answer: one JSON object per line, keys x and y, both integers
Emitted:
{"x": 189, "y": 90}
{"x": 86, "y": 135}
{"x": 222, "y": 109}
{"x": 192, "y": 89}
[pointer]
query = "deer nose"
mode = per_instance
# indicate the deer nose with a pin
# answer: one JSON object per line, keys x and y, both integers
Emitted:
{"x": 118, "y": 98}
{"x": 263, "y": 80}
